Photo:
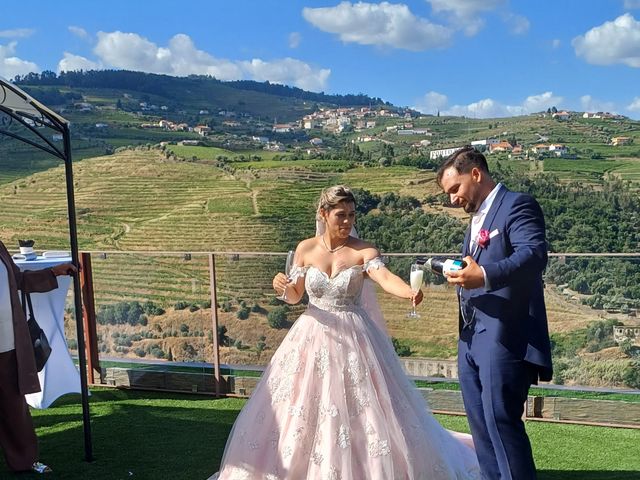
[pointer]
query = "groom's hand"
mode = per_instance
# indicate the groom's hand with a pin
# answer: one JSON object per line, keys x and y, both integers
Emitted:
{"x": 469, "y": 277}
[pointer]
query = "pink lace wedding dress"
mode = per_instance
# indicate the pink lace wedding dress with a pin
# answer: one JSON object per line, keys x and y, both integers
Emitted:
{"x": 334, "y": 402}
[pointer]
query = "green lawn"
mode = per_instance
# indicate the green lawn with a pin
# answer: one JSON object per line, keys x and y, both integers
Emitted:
{"x": 144, "y": 435}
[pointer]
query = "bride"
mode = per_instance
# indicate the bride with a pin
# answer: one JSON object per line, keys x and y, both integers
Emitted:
{"x": 334, "y": 402}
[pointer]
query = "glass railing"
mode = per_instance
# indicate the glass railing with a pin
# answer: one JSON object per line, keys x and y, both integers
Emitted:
{"x": 155, "y": 308}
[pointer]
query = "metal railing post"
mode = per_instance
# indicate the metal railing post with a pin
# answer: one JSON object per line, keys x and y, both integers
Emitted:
{"x": 89, "y": 316}
{"x": 214, "y": 321}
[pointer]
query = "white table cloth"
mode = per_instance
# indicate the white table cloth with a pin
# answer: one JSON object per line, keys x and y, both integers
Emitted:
{"x": 60, "y": 375}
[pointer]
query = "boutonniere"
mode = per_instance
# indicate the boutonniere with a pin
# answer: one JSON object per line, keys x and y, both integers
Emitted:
{"x": 483, "y": 238}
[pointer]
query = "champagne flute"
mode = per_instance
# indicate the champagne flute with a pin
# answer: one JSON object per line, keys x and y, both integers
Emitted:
{"x": 415, "y": 279}
{"x": 287, "y": 271}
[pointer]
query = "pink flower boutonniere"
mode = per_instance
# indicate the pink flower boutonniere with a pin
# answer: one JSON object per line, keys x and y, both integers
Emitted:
{"x": 483, "y": 238}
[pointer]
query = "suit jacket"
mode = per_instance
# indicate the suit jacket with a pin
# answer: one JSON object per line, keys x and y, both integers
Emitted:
{"x": 30, "y": 281}
{"x": 512, "y": 310}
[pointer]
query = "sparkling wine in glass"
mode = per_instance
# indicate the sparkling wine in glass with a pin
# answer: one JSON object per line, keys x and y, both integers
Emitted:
{"x": 287, "y": 271}
{"x": 415, "y": 280}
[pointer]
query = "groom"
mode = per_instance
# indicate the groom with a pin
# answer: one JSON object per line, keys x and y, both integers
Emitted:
{"x": 504, "y": 339}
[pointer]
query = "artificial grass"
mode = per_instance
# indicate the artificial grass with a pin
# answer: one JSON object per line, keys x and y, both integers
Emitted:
{"x": 149, "y": 435}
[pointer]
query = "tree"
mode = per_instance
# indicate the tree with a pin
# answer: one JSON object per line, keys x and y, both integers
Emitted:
{"x": 261, "y": 345}
{"x": 384, "y": 162}
{"x": 365, "y": 200}
{"x": 632, "y": 375}
{"x": 223, "y": 339}
{"x": 387, "y": 150}
{"x": 401, "y": 349}
{"x": 277, "y": 317}
{"x": 180, "y": 305}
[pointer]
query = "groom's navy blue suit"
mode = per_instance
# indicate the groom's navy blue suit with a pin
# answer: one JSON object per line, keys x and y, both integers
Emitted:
{"x": 504, "y": 340}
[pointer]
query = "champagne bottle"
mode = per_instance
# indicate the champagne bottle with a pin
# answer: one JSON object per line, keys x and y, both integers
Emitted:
{"x": 442, "y": 265}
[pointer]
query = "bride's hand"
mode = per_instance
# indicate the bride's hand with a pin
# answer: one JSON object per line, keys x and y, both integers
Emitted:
{"x": 279, "y": 283}
{"x": 416, "y": 298}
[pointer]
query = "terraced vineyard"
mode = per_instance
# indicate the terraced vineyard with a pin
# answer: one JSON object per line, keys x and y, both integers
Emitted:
{"x": 137, "y": 200}
{"x": 595, "y": 170}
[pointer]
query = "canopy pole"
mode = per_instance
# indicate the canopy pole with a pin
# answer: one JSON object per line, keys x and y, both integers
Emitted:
{"x": 73, "y": 237}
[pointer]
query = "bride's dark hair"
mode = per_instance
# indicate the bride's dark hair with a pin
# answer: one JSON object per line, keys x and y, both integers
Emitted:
{"x": 332, "y": 196}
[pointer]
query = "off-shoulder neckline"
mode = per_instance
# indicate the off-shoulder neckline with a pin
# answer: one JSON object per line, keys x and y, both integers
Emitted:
{"x": 331, "y": 277}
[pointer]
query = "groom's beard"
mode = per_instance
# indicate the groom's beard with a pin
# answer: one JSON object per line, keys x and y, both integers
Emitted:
{"x": 471, "y": 207}
{"x": 473, "y": 204}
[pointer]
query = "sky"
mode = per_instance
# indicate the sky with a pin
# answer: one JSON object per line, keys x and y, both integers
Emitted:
{"x": 478, "y": 58}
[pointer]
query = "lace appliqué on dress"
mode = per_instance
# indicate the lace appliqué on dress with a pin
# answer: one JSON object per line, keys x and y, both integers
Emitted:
{"x": 355, "y": 390}
{"x": 376, "y": 263}
{"x": 296, "y": 273}
{"x": 378, "y": 448}
{"x": 281, "y": 385}
{"x": 322, "y": 361}
{"x": 344, "y": 438}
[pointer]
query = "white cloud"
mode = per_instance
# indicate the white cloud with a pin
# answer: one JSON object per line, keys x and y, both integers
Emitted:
{"x": 72, "y": 62}
{"x": 383, "y": 24}
{"x": 590, "y": 104}
{"x": 518, "y": 25}
{"x": 294, "y": 39}
{"x": 181, "y": 57}
{"x": 634, "y": 106}
{"x": 555, "y": 43}
{"x": 610, "y": 43}
{"x": 17, "y": 33}
{"x": 431, "y": 102}
{"x": 10, "y": 65}
{"x": 79, "y": 32}
{"x": 543, "y": 101}
{"x": 465, "y": 8}
{"x": 288, "y": 71}
{"x": 631, "y": 4}
{"x": 466, "y": 12}
{"x": 487, "y": 107}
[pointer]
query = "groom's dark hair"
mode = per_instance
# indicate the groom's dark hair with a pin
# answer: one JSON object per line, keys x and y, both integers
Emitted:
{"x": 463, "y": 160}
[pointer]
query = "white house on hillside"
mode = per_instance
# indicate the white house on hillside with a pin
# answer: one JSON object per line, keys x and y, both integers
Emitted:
{"x": 202, "y": 130}
{"x": 487, "y": 142}
{"x": 563, "y": 115}
{"x": 558, "y": 149}
{"x": 281, "y": 128}
{"x": 617, "y": 141}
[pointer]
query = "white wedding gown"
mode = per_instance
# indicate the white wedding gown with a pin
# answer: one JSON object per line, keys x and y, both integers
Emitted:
{"x": 334, "y": 402}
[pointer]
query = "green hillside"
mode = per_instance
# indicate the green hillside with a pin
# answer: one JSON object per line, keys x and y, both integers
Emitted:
{"x": 112, "y": 109}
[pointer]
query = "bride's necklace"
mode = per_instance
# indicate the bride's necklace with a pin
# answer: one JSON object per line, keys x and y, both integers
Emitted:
{"x": 333, "y": 250}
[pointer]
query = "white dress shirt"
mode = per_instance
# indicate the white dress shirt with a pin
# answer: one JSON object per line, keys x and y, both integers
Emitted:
{"x": 477, "y": 220}
{"x": 7, "y": 342}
